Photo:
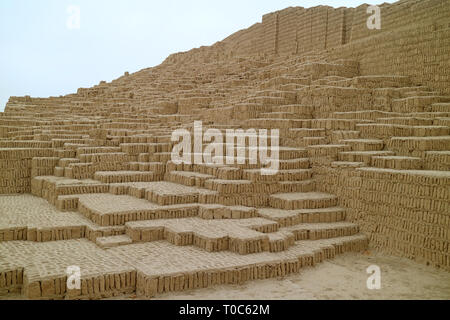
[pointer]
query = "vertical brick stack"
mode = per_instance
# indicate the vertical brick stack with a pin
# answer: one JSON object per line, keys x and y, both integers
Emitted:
{"x": 16, "y": 168}
{"x": 404, "y": 213}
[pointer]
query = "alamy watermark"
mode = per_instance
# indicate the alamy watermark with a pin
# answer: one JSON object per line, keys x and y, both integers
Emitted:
{"x": 374, "y": 281}
{"x": 73, "y": 278}
{"x": 73, "y": 21}
{"x": 235, "y": 143}
{"x": 374, "y": 21}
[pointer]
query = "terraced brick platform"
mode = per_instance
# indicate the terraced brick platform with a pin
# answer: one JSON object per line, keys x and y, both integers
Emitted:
{"x": 89, "y": 180}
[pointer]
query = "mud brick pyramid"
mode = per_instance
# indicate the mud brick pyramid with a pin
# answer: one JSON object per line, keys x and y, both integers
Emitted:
{"x": 364, "y": 120}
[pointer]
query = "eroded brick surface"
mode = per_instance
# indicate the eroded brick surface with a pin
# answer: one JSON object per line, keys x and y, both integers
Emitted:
{"x": 363, "y": 158}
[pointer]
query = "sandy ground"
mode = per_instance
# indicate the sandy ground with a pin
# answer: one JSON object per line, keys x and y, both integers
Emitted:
{"x": 345, "y": 277}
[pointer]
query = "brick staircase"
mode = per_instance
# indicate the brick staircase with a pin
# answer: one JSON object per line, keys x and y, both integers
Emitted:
{"x": 362, "y": 158}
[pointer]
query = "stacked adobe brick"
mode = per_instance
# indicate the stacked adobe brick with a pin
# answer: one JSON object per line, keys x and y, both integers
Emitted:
{"x": 364, "y": 125}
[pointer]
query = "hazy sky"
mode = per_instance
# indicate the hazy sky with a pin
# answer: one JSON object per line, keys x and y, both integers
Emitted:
{"x": 41, "y": 56}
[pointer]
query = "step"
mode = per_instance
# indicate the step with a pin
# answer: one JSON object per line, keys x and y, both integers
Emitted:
{"x": 26, "y": 144}
{"x": 303, "y": 111}
{"x": 291, "y": 95}
{"x": 436, "y": 177}
{"x": 406, "y": 121}
{"x": 286, "y": 218}
{"x": 364, "y": 144}
{"x": 72, "y": 144}
{"x": 90, "y": 150}
{"x": 163, "y": 157}
{"x": 293, "y": 164}
{"x": 71, "y": 189}
{"x": 239, "y": 186}
{"x": 398, "y": 162}
{"x": 140, "y": 189}
{"x": 125, "y": 176}
{"x": 337, "y": 124}
{"x": 431, "y": 115}
{"x": 296, "y": 186}
{"x": 173, "y": 194}
{"x": 337, "y": 136}
{"x": 50, "y": 187}
{"x": 229, "y": 173}
{"x": 156, "y": 167}
{"x": 440, "y": 107}
{"x": 213, "y": 170}
{"x": 410, "y": 144}
{"x": 188, "y": 178}
{"x": 67, "y": 203}
{"x": 156, "y": 275}
{"x": 418, "y": 93}
{"x": 281, "y": 241}
{"x": 217, "y": 211}
{"x": 59, "y": 172}
{"x": 311, "y": 141}
{"x": 443, "y": 122}
{"x": 361, "y": 115}
{"x": 210, "y": 235}
{"x": 106, "y": 157}
{"x": 437, "y": 160}
{"x": 137, "y": 148}
{"x": 284, "y": 80}
{"x": 68, "y": 195}
{"x": 362, "y": 156}
{"x": 287, "y": 153}
{"x": 386, "y": 131}
{"x": 64, "y": 162}
{"x": 63, "y": 153}
{"x": 404, "y": 90}
{"x": 246, "y": 200}
{"x": 316, "y": 231}
{"x": 417, "y": 104}
{"x": 308, "y": 200}
{"x": 270, "y": 101}
{"x": 80, "y": 169}
{"x": 347, "y": 164}
{"x": 306, "y": 132}
{"x": 242, "y": 187}
{"x": 113, "y": 241}
{"x": 380, "y": 81}
{"x": 271, "y": 123}
{"x": 278, "y": 115}
{"x": 114, "y": 210}
{"x": 255, "y": 175}
{"x": 328, "y": 150}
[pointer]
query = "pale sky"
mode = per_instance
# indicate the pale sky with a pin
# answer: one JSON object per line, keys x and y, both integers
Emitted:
{"x": 41, "y": 56}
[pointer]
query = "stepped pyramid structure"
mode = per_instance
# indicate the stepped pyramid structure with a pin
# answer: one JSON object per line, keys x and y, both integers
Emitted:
{"x": 364, "y": 159}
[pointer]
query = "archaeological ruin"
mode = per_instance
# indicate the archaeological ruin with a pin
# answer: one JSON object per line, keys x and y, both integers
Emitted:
{"x": 363, "y": 115}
